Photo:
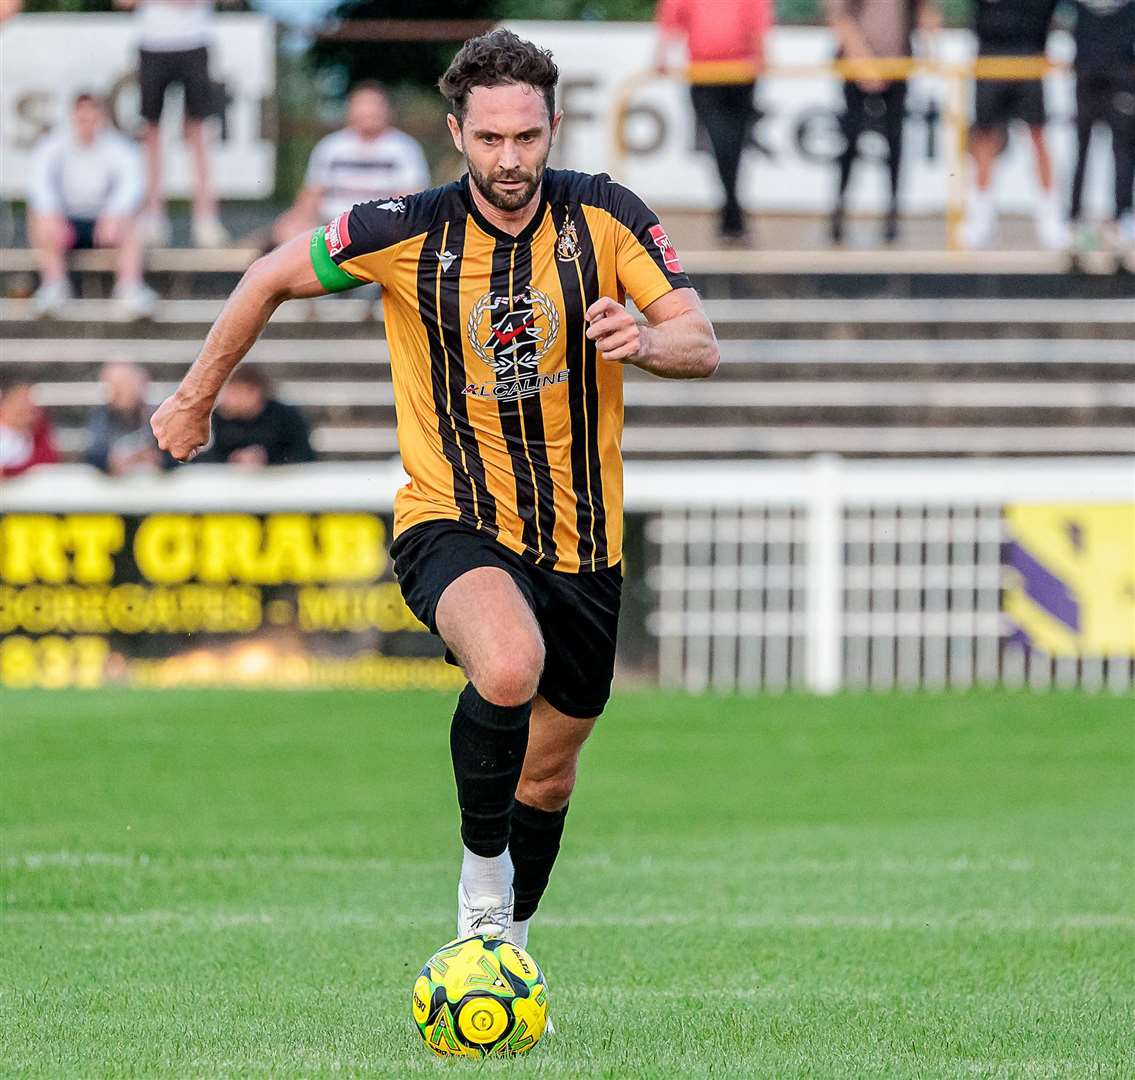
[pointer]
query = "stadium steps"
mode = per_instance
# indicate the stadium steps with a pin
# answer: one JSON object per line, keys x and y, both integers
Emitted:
{"x": 1010, "y": 365}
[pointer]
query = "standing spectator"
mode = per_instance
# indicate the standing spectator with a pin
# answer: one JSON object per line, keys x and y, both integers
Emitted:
{"x": 85, "y": 190}
{"x": 368, "y": 159}
{"x": 1011, "y": 29}
{"x": 1105, "y": 93}
{"x": 875, "y": 30}
{"x": 119, "y": 439}
{"x": 174, "y": 39}
{"x": 26, "y": 438}
{"x": 725, "y": 42}
{"x": 252, "y": 428}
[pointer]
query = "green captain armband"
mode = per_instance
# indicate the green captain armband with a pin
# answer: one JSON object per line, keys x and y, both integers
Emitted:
{"x": 333, "y": 278}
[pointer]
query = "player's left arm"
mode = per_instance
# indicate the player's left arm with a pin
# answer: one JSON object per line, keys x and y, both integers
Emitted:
{"x": 676, "y": 342}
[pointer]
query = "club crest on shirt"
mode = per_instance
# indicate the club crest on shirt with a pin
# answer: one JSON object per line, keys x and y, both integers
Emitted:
{"x": 337, "y": 236}
{"x": 669, "y": 255}
{"x": 512, "y": 334}
{"x": 567, "y": 243}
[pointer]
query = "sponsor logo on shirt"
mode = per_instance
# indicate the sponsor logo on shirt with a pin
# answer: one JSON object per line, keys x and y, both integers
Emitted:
{"x": 338, "y": 237}
{"x": 511, "y": 334}
{"x": 669, "y": 255}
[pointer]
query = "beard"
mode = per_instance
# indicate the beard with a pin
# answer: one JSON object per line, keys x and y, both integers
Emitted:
{"x": 507, "y": 200}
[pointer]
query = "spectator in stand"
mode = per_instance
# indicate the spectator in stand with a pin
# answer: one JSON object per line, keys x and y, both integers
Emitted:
{"x": 1011, "y": 29}
{"x": 725, "y": 43}
{"x": 253, "y": 429}
{"x": 875, "y": 30}
{"x": 85, "y": 190}
{"x": 1105, "y": 93}
{"x": 119, "y": 439}
{"x": 26, "y": 438}
{"x": 368, "y": 159}
{"x": 174, "y": 40}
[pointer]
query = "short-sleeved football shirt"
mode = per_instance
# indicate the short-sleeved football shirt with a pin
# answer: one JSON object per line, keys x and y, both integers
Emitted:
{"x": 508, "y": 420}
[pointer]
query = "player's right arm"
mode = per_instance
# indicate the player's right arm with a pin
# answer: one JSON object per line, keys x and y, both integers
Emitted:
{"x": 181, "y": 423}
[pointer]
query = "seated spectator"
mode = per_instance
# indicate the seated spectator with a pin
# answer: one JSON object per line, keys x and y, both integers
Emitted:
{"x": 85, "y": 191}
{"x": 119, "y": 439}
{"x": 26, "y": 438}
{"x": 368, "y": 159}
{"x": 252, "y": 428}
{"x": 1019, "y": 29}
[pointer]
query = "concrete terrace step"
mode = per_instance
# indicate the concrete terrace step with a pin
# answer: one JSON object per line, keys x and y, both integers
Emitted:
{"x": 976, "y": 352}
{"x": 788, "y": 440}
{"x": 723, "y": 395}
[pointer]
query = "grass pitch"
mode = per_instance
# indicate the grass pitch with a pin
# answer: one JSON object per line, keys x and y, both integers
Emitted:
{"x": 211, "y": 884}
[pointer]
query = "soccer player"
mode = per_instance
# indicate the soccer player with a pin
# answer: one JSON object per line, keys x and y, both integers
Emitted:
{"x": 503, "y": 297}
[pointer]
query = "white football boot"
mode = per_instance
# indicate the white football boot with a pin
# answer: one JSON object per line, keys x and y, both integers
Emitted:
{"x": 487, "y": 916}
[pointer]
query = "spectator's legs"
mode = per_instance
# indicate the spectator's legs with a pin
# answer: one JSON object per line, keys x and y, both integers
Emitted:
{"x": 726, "y": 111}
{"x": 204, "y": 201}
{"x": 980, "y": 225}
{"x": 1042, "y": 157}
{"x": 128, "y": 266}
{"x": 50, "y": 236}
{"x": 1051, "y": 228}
{"x": 851, "y": 124}
{"x": 1121, "y": 119}
{"x": 894, "y": 119}
{"x": 1084, "y": 126}
{"x": 207, "y": 228}
{"x": 152, "y": 146}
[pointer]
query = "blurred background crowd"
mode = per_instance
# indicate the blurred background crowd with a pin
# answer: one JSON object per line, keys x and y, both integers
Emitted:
{"x": 95, "y": 173}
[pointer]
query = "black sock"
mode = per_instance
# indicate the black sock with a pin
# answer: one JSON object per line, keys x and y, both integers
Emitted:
{"x": 487, "y": 742}
{"x": 533, "y": 845}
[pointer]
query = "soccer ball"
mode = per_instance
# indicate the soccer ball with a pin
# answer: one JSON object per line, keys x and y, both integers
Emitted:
{"x": 480, "y": 997}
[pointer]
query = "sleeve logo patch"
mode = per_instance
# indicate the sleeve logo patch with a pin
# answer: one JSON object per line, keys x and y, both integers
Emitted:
{"x": 338, "y": 237}
{"x": 669, "y": 255}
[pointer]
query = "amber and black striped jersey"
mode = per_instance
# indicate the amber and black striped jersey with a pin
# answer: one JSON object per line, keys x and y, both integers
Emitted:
{"x": 508, "y": 421}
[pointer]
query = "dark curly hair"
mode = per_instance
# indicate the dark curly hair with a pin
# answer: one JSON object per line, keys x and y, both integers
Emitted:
{"x": 496, "y": 59}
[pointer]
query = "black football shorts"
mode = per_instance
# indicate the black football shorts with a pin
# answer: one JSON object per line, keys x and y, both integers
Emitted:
{"x": 578, "y": 614}
{"x": 159, "y": 70}
{"x": 999, "y": 103}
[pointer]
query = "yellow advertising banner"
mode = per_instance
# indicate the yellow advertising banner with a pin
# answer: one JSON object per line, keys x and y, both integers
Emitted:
{"x": 292, "y": 599}
{"x": 1073, "y": 591}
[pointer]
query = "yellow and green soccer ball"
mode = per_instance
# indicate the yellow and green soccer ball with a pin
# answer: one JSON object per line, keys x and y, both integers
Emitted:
{"x": 480, "y": 997}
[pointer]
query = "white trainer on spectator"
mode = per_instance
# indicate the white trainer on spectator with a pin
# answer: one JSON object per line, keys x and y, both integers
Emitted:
{"x": 980, "y": 226}
{"x": 208, "y": 232}
{"x": 1051, "y": 228}
{"x": 1125, "y": 233}
{"x": 155, "y": 229}
{"x": 51, "y": 297}
{"x": 136, "y": 300}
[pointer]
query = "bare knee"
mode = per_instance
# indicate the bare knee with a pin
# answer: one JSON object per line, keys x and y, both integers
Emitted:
{"x": 510, "y": 674}
{"x": 547, "y": 788}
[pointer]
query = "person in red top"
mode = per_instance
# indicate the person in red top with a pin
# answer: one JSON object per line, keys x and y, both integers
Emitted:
{"x": 725, "y": 42}
{"x": 26, "y": 438}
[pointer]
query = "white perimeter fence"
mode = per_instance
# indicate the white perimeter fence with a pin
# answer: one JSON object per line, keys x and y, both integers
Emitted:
{"x": 819, "y": 574}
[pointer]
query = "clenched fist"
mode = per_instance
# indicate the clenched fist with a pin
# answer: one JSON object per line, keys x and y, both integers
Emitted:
{"x": 615, "y": 331}
{"x": 181, "y": 428}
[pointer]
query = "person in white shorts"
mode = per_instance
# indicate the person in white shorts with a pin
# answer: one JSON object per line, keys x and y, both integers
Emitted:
{"x": 174, "y": 40}
{"x": 368, "y": 159}
{"x": 85, "y": 191}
